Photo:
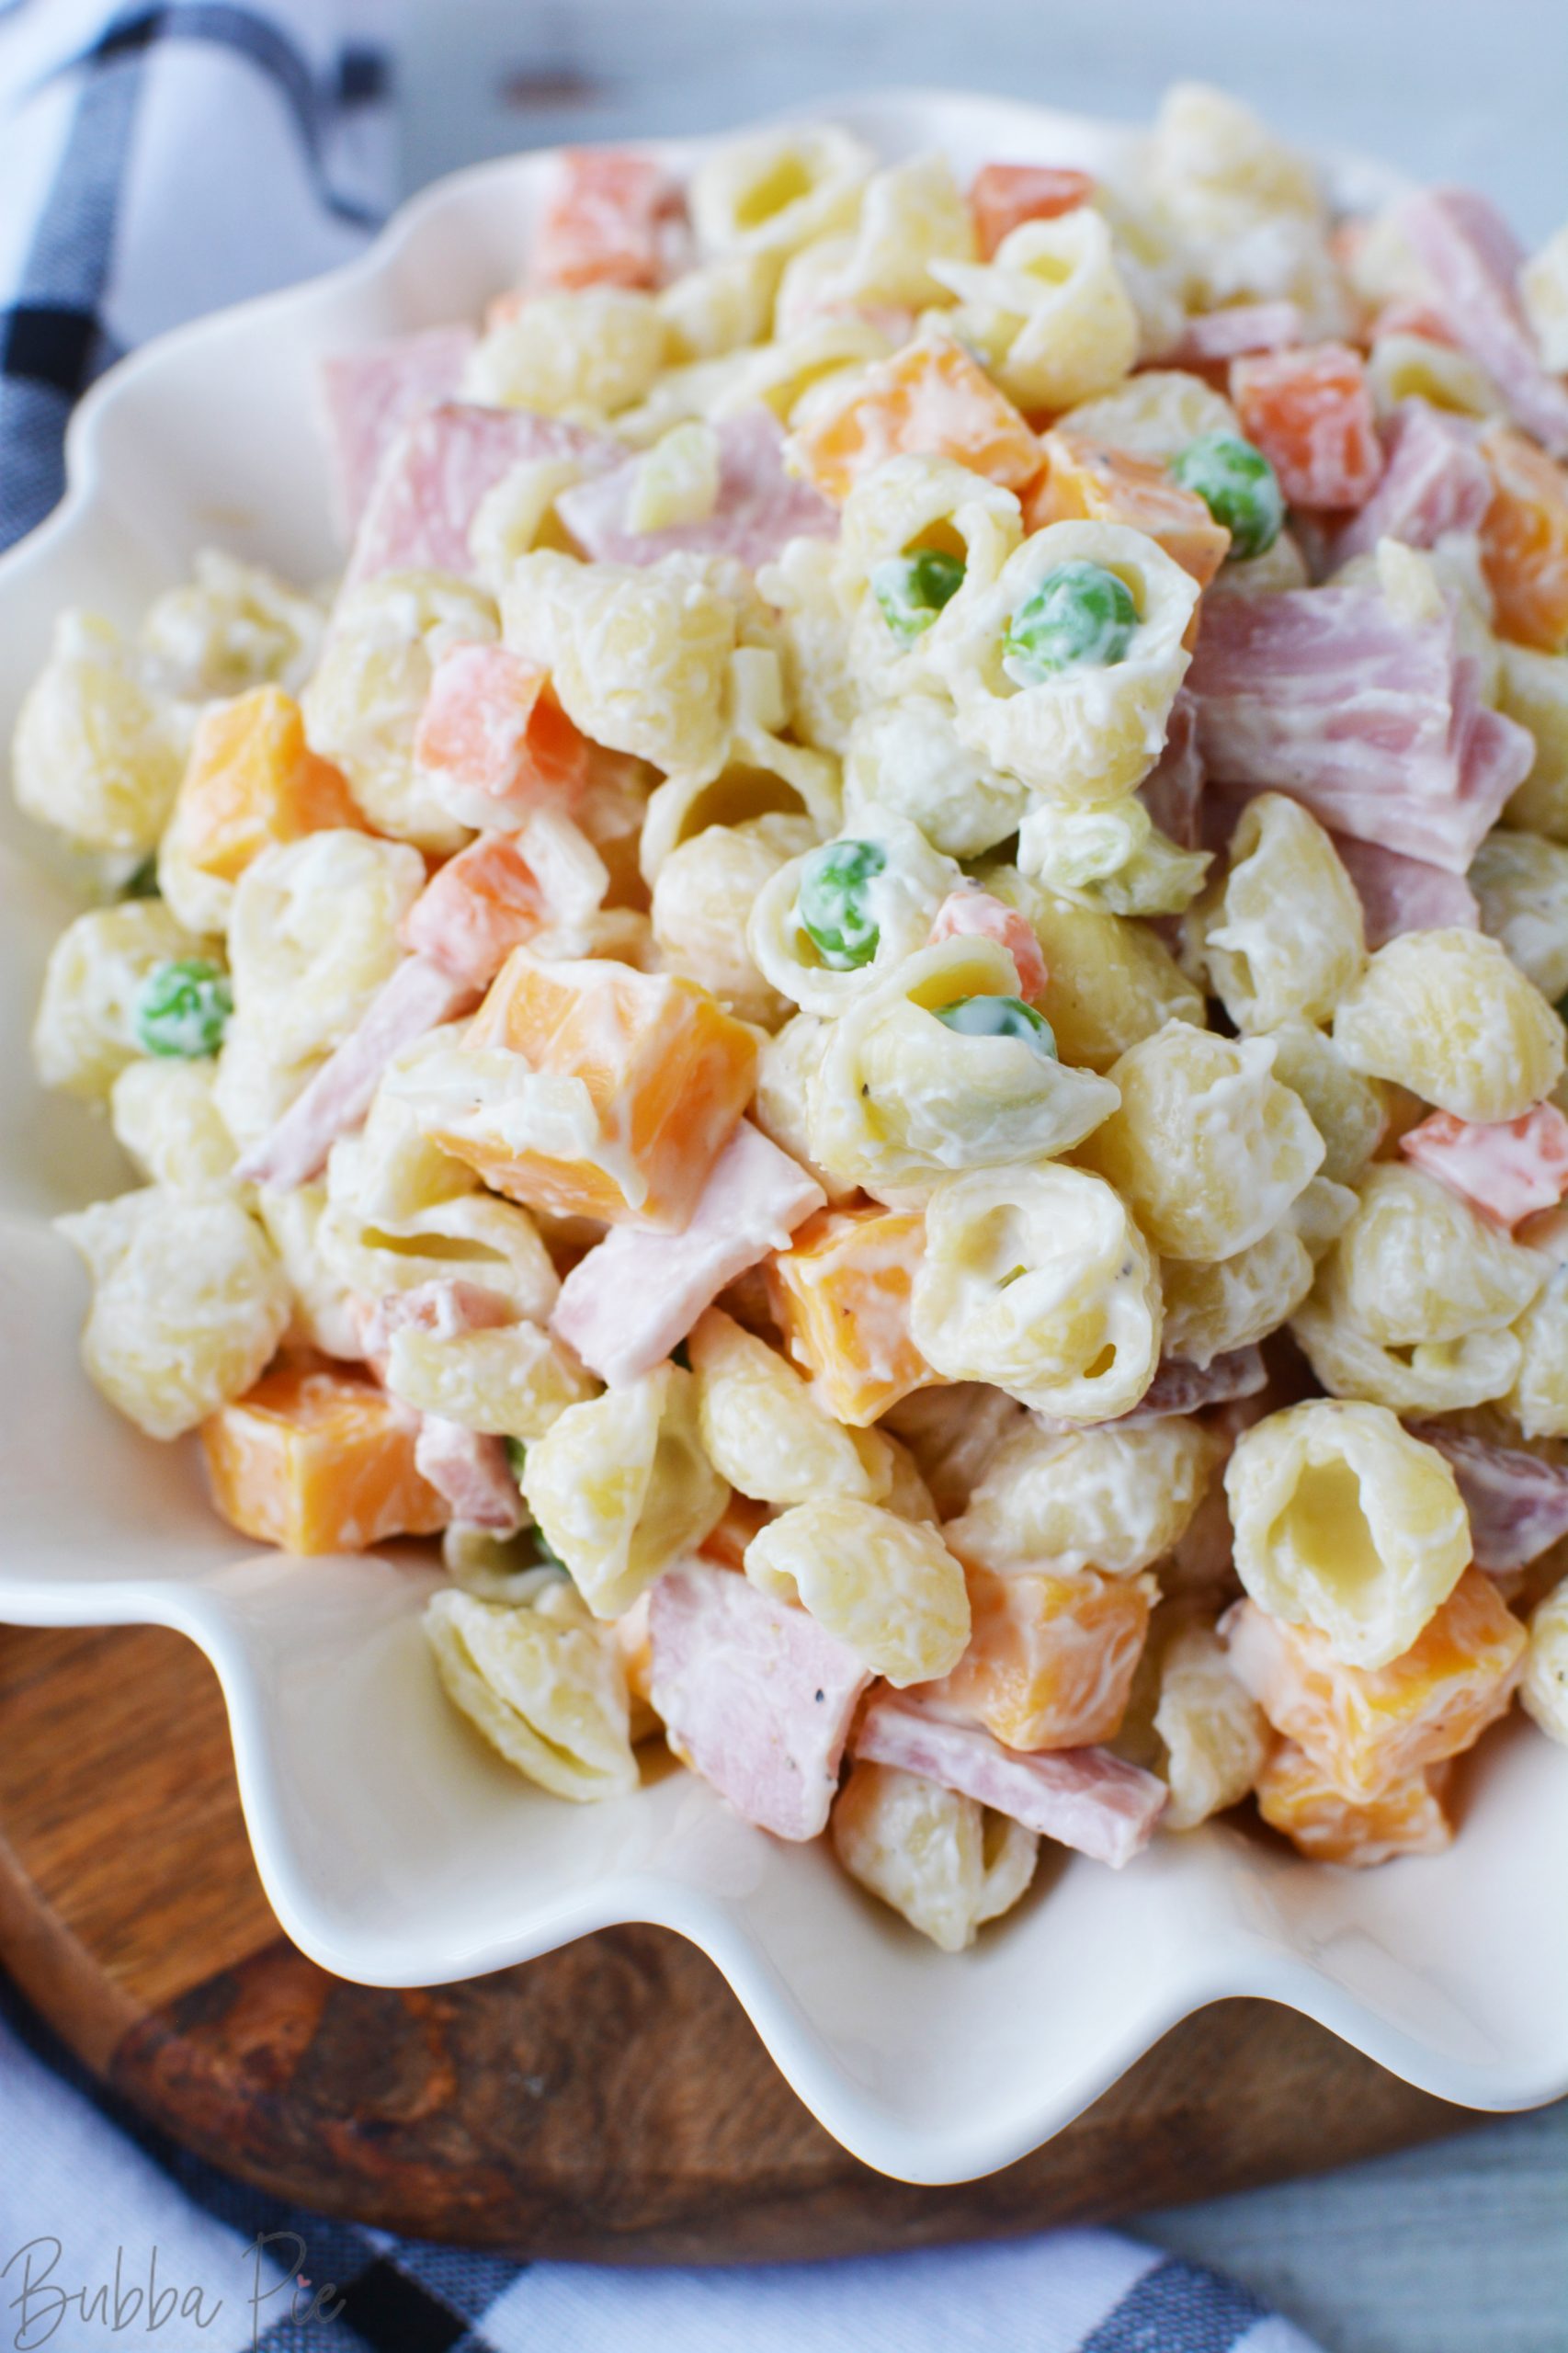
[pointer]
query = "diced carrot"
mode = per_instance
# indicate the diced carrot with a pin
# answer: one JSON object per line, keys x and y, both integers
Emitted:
{"x": 1364, "y": 1727}
{"x": 1083, "y": 482}
{"x": 840, "y": 1295}
{"x": 1405, "y": 1816}
{"x": 1524, "y": 541}
{"x": 252, "y": 780}
{"x": 973, "y": 914}
{"x": 319, "y": 1460}
{"x": 603, "y": 221}
{"x": 1003, "y": 196}
{"x": 1050, "y": 1659}
{"x": 929, "y": 399}
{"x": 489, "y": 727}
{"x": 1310, "y": 411}
{"x": 665, "y": 1071}
{"x": 476, "y": 908}
{"x": 726, "y": 1542}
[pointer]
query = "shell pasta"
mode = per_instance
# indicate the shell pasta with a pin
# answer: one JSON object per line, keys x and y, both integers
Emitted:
{"x": 872, "y": 1018}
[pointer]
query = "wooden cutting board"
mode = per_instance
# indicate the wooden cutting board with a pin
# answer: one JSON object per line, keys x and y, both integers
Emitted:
{"x": 609, "y": 2101}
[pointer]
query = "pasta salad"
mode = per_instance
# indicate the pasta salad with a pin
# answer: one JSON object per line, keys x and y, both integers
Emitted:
{"x": 872, "y": 1006}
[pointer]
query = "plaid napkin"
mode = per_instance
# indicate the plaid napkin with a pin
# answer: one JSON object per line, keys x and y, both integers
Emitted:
{"x": 155, "y": 161}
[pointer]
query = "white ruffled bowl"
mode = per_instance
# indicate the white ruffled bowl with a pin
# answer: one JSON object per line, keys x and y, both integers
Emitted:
{"x": 394, "y": 1848}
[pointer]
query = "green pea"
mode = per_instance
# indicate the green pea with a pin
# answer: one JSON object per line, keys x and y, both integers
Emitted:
{"x": 835, "y": 887}
{"x": 183, "y": 1007}
{"x": 1080, "y": 614}
{"x": 1000, "y": 1016}
{"x": 913, "y": 589}
{"x": 1238, "y": 486}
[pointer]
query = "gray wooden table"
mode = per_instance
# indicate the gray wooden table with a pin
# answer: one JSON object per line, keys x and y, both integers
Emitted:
{"x": 1461, "y": 2248}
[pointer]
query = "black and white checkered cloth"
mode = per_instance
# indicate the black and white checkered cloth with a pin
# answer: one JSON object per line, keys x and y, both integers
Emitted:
{"x": 154, "y": 162}
{"x": 157, "y": 161}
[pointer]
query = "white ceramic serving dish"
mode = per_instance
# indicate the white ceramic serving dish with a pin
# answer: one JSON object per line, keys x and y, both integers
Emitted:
{"x": 395, "y": 1848}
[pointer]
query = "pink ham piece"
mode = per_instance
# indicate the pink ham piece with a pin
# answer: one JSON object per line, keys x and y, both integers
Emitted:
{"x": 1212, "y": 337}
{"x": 970, "y": 912}
{"x": 1173, "y": 790}
{"x": 1081, "y": 1797}
{"x": 1506, "y": 1170}
{"x": 1518, "y": 1503}
{"x": 752, "y": 1694}
{"x": 1436, "y": 481}
{"x": 432, "y": 478}
{"x": 470, "y": 1472}
{"x": 418, "y": 996}
{"x": 1179, "y": 1387}
{"x": 1472, "y": 262}
{"x": 491, "y": 744}
{"x": 370, "y": 394}
{"x": 635, "y": 1296}
{"x": 611, "y": 219}
{"x": 446, "y": 1308}
{"x": 502, "y": 890}
{"x": 1374, "y": 723}
{"x": 758, "y": 508}
{"x": 1399, "y": 893}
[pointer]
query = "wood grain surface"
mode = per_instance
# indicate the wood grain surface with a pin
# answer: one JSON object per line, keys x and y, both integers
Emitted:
{"x": 608, "y": 2101}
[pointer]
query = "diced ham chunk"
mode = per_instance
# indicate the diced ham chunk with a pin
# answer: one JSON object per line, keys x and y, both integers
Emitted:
{"x": 446, "y": 1308}
{"x": 1173, "y": 790}
{"x": 418, "y": 996}
{"x": 1436, "y": 481}
{"x": 1374, "y": 722}
{"x": 611, "y": 220}
{"x": 370, "y": 395}
{"x": 470, "y": 1472}
{"x": 502, "y": 890}
{"x": 759, "y": 507}
{"x": 491, "y": 744}
{"x": 635, "y": 1295}
{"x": 1507, "y": 1169}
{"x": 1002, "y": 197}
{"x": 752, "y": 1694}
{"x": 1518, "y": 1503}
{"x": 1181, "y": 1388}
{"x": 1472, "y": 262}
{"x": 1310, "y": 411}
{"x": 1081, "y": 1797}
{"x": 1400, "y": 893}
{"x": 1210, "y": 336}
{"x": 433, "y": 476}
{"x": 972, "y": 912}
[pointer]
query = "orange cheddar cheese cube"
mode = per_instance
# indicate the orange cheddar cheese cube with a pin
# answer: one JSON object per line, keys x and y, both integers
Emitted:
{"x": 1366, "y": 1727}
{"x": 1084, "y": 483}
{"x": 1524, "y": 541}
{"x": 1050, "y": 1659}
{"x": 1404, "y": 1817}
{"x": 252, "y": 780}
{"x": 318, "y": 1459}
{"x": 840, "y": 1295}
{"x": 1003, "y": 196}
{"x": 659, "y": 1076}
{"x": 930, "y": 399}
